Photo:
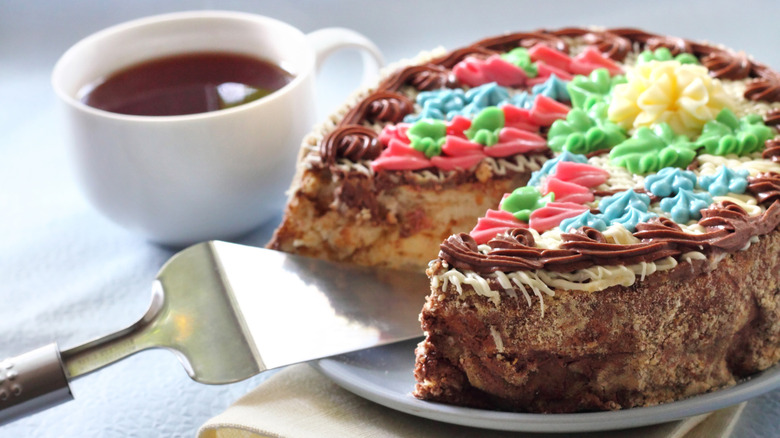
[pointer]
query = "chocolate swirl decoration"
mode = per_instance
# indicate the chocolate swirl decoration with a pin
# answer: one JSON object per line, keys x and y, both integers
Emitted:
{"x": 728, "y": 226}
{"x": 701, "y": 50}
{"x": 765, "y": 187}
{"x": 766, "y": 87}
{"x": 449, "y": 60}
{"x": 727, "y": 65}
{"x": 380, "y": 106}
{"x": 633, "y": 35}
{"x": 611, "y": 45}
{"x": 584, "y": 234}
{"x": 665, "y": 229}
{"x": 505, "y": 43}
{"x": 592, "y": 244}
{"x": 430, "y": 79}
{"x": 520, "y": 243}
{"x": 461, "y": 252}
{"x": 770, "y": 220}
{"x": 762, "y": 71}
{"x": 511, "y": 251}
{"x": 676, "y": 45}
{"x": 651, "y": 41}
{"x": 516, "y": 241}
{"x": 423, "y": 77}
{"x": 772, "y": 150}
{"x": 772, "y": 118}
{"x": 353, "y": 142}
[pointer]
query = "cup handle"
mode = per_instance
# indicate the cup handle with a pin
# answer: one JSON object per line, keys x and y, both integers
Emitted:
{"x": 328, "y": 40}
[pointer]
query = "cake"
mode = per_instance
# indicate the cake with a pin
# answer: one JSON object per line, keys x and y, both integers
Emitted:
{"x": 598, "y": 211}
{"x": 354, "y": 200}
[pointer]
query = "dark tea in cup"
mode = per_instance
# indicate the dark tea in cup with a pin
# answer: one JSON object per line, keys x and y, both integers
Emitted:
{"x": 186, "y": 84}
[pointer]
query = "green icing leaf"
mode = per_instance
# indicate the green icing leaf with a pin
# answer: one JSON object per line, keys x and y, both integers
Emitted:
{"x": 664, "y": 54}
{"x": 728, "y": 134}
{"x": 650, "y": 150}
{"x": 521, "y": 58}
{"x": 428, "y": 136}
{"x": 585, "y": 132}
{"x": 486, "y": 126}
{"x": 524, "y": 200}
{"x": 586, "y": 91}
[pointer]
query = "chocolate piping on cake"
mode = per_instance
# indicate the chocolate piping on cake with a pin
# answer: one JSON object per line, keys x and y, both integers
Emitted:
{"x": 728, "y": 228}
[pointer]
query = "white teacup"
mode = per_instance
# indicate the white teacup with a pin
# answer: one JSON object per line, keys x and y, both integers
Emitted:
{"x": 182, "y": 179}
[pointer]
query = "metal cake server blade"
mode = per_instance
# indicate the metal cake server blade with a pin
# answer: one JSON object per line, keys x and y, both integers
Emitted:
{"x": 229, "y": 312}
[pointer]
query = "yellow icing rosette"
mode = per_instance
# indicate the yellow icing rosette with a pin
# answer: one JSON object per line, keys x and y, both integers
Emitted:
{"x": 682, "y": 95}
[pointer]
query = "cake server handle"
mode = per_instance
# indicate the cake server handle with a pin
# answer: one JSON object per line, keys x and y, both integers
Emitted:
{"x": 39, "y": 379}
{"x": 331, "y": 39}
{"x": 32, "y": 382}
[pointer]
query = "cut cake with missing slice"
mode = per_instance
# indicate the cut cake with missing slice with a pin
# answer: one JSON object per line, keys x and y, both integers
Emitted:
{"x": 622, "y": 192}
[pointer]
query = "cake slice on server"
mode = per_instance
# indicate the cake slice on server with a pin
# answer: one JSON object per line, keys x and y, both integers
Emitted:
{"x": 608, "y": 203}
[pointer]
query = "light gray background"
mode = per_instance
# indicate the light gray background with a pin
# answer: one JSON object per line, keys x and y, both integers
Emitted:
{"x": 67, "y": 274}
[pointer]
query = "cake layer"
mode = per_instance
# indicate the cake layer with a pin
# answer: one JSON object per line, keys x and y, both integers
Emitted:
{"x": 348, "y": 218}
{"x": 703, "y": 325}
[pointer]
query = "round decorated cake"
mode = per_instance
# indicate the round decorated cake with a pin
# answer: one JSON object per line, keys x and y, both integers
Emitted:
{"x": 601, "y": 208}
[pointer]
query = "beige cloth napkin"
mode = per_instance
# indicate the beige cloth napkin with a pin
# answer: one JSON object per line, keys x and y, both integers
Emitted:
{"x": 299, "y": 402}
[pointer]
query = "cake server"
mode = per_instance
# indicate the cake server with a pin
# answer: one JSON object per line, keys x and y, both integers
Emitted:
{"x": 229, "y": 312}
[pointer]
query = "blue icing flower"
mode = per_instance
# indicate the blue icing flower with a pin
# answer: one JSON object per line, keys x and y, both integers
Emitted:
{"x": 617, "y": 205}
{"x": 428, "y": 112}
{"x": 627, "y": 208}
{"x": 439, "y": 104}
{"x": 632, "y": 217}
{"x": 470, "y": 110}
{"x": 549, "y": 166}
{"x": 522, "y": 100}
{"x": 447, "y": 103}
{"x": 670, "y": 180}
{"x": 686, "y": 205}
{"x": 483, "y": 96}
{"x": 490, "y": 94}
{"x": 554, "y": 88}
{"x": 586, "y": 219}
{"x": 725, "y": 181}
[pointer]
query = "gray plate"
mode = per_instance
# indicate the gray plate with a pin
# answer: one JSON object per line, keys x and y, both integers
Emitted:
{"x": 384, "y": 375}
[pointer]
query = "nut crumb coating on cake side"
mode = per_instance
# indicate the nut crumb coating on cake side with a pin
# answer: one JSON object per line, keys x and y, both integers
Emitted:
{"x": 678, "y": 333}
{"x": 604, "y": 203}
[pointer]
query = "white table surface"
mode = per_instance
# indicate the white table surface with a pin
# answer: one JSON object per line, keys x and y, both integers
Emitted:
{"x": 69, "y": 275}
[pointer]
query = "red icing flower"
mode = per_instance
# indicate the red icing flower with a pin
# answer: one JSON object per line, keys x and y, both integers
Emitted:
{"x": 494, "y": 222}
{"x": 554, "y": 61}
{"x": 400, "y": 156}
{"x": 512, "y": 141}
{"x": 551, "y": 215}
{"x": 567, "y": 191}
{"x": 581, "y": 173}
{"x": 474, "y": 72}
{"x": 545, "y": 110}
